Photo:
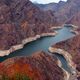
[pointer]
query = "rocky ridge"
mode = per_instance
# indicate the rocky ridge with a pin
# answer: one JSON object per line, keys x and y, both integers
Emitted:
{"x": 39, "y": 66}
{"x": 20, "y": 20}
{"x": 72, "y": 47}
{"x": 71, "y": 8}
{"x": 51, "y": 6}
{"x": 65, "y": 11}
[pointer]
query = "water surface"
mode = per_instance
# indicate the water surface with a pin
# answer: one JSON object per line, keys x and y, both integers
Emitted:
{"x": 63, "y": 61}
{"x": 41, "y": 44}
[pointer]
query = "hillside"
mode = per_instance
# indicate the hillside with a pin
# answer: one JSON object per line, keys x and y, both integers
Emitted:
{"x": 39, "y": 66}
{"x": 21, "y": 19}
{"x": 72, "y": 46}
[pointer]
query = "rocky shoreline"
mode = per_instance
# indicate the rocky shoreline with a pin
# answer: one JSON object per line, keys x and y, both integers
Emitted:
{"x": 56, "y": 28}
{"x": 66, "y": 74}
{"x": 25, "y": 41}
{"x": 68, "y": 57}
{"x": 74, "y": 28}
{"x": 30, "y": 39}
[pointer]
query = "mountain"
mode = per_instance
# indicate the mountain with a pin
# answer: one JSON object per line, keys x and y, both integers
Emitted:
{"x": 21, "y": 19}
{"x": 39, "y": 66}
{"x": 45, "y": 7}
{"x": 70, "y": 8}
{"x": 63, "y": 11}
{"x": 51, "y": 6}
{"x": 72, "y": 46}
{"x": 75, "y": 20}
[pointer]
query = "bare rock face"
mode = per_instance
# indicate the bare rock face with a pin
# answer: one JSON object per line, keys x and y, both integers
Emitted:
{"x": 20, "y": 19}
{"x": 64, "y": 11}
{"x": 70, "y": 8}
{"x": 39, "y": 66}
{"x": 51, "y": 6}
{"x": 72, "y": 46}
{"x": 75, "y": 20}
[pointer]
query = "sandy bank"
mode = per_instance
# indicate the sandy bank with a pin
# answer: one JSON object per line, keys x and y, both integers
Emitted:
{"x": 68, "y": 57}
{"x": 66, "y": 74}
{"x": 25, "y": 41}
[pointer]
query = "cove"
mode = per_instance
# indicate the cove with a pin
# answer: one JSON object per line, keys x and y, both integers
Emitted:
{"x": 63, "y": 61}
{"x": 41, "y": 44}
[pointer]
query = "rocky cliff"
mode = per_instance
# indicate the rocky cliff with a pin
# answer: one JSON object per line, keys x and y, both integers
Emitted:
{"x": 20, "y": 19}
{"x": 70, "y": 8}
{"x": 39, "y": 66}
{"x": 75, "y": 20}
{"x": 64, "y": 11}
{"x": 51, "y": 6}
{"x": 72, "y": 46}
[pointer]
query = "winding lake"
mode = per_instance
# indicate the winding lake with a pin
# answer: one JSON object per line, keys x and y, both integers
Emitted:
{"x": 41, "y": 44}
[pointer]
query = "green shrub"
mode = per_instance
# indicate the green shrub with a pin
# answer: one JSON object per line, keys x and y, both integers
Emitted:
{"x": 4, "y": 77}
{"x": 16, "y": 77}
{"x": 21, "y": 77}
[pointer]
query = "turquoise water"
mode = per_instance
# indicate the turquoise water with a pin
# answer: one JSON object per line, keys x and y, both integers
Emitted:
{"x": 41, "y": 44}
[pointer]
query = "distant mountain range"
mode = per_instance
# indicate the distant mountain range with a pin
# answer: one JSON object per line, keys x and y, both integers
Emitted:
{"x": 64, "y": 11}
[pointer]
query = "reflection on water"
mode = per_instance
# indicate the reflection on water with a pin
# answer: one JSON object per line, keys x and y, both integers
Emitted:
{"x": 41, "y": 44}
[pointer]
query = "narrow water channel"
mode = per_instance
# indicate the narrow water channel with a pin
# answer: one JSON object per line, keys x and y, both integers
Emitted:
{"x": 63, "y": 61}
{"x": 41, "y": 44}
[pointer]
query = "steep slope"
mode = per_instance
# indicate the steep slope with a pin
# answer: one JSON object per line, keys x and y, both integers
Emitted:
{"x": 51, "y": 6}
{"x": 75, "y": 20}
{"x": 20, "y": 19}
{"x": 72, "y": 46}
{"x": 39, "y": 66}
{"x": 64, "y": 11}
{"x": 70, "y": 8}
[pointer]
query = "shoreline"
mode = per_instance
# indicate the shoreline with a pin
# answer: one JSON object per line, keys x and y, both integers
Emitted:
{"x": 68, "y": 58}
{"x": 56, "y": 28}
{"x": 66, "y": 74}
{"x": 25, "y": 41}
{"x": 74, "y": 28}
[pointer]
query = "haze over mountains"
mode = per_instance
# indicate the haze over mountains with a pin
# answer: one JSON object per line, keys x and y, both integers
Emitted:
{"x": 64, "y": 11}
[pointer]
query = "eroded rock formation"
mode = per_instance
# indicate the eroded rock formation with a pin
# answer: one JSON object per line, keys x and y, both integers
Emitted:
{"x": 64, "y": 11}
{"x": 70, "y": 8}
{"x": 51, "y": 6}
{"x": 20, "y": 19}
{"x": 39, "y": 66}
{"x": 75, "y": 20}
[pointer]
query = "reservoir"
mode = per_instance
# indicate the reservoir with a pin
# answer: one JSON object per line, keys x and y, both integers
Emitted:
{"x": 41, "y": 44}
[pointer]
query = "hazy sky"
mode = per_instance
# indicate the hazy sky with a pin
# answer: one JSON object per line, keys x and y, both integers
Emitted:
{"x": 46, "y": 1}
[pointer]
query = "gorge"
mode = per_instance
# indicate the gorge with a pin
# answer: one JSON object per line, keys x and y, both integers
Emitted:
{"x": 43, "y": 44}
{"x": 39, "y": 43}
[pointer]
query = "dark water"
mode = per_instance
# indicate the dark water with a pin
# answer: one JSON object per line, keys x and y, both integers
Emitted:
{"x": 41, "y": 44}
{"x": 63, "y": 61}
